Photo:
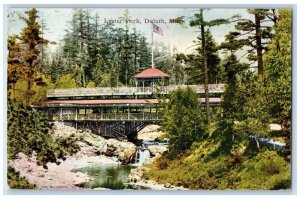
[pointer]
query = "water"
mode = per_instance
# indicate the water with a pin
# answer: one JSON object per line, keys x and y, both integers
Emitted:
{"x": 114, "y": 176}
{"x": 111, "y": 176}
{"x": 144, "y": 157}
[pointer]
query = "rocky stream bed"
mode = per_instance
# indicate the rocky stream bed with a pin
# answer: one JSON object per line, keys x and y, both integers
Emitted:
{"x": 95, "y": 151}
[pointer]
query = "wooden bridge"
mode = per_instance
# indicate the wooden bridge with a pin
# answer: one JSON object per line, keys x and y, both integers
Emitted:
{"x": 118, "y": 112}
{"x": 113, "y": 112}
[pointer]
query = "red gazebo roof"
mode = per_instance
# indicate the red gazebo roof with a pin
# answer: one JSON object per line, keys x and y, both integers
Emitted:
{"x": 151, "y": 73}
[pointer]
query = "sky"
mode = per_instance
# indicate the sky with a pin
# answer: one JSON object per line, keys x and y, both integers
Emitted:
{"x": 174, "y": 35}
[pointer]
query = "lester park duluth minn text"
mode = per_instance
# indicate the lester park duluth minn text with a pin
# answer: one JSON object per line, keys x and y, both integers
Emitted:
{"x": 140, "y": 21}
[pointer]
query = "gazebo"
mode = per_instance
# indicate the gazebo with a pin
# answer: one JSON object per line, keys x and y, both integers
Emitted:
{"x": 150, "y": 77}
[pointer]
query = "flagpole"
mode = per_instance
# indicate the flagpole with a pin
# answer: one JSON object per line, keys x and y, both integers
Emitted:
{"x": 152, "y": 46}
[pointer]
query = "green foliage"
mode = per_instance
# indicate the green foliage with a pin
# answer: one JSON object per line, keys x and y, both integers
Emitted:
{"x": 41, "y": 91}
{"x": 16, "y": 182}
{"x": 183, "y": 120}
{"x": 28, "y": 132}
{"x": 66, "y": 81}
{"x": 66, "y": 145}
{"x": 91, "y": 85}
{"x": 162, "y": 163}
{"x": 265, "y": 170}
{"x": 161, "y": 137}
{"x": 214, "y": 68}
{"x": 14, "y": 64}
{"x": 278, "y": 62}
{"x": 252, "y": 33}
{"x": 123, "y": 52}
{"x": 31, "y": 43}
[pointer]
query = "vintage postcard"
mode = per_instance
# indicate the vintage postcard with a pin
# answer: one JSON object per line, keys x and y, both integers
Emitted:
{"x": 149, "y": 98}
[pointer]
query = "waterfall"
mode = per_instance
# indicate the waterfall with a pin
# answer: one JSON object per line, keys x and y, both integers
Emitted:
{"x": 142, "y": 156}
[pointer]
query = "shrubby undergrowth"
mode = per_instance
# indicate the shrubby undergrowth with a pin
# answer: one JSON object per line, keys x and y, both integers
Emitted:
{"x": 28, "y": 132}
{"x": 206, "y": 167}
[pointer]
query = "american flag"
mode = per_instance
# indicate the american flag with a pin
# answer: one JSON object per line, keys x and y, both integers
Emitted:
{"x": 157, "y": 30}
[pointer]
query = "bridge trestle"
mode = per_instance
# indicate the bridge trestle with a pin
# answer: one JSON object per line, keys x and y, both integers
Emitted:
{"x": 120, "y": 130}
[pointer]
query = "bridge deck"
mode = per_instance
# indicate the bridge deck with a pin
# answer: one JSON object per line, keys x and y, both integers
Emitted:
{"x": 118, "y": 91}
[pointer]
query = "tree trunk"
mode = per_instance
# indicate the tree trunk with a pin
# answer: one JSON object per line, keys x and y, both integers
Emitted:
{"x": 259, "y": 48}
{"x": 28, "y": 90}
{"x": 205, "y": 69}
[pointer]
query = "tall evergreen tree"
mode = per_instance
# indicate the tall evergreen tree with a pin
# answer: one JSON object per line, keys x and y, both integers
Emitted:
{"x": 30, "y": 43}
{"x": 278, "y": 73}
{"x": 14, "y": 65}
{"x": 254, "y": 34}
{"x": 200, "y": 22}
{"x": 125, "y": 70}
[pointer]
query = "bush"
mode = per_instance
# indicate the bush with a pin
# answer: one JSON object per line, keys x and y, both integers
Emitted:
{"x": 27, "y": 132}
{"x": 16, "y": 182}
{"x": 266, "y": 171}
{"x": 183, "y": 121}
{"x": 162, "y": 162}
{"x": 199, "y": 169}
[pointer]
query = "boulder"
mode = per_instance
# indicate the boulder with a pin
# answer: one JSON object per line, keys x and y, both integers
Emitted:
{"x": 136, "y": 174}
{"x": 125, "y": 151}
{"x": 92, "y": 145}
{"x": 150, "y": 132}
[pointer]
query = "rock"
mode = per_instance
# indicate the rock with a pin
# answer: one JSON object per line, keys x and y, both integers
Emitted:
{"x": 61, "y": 130}
{"x": 93, "y": 145}
{"x": 125, "y": 151}
{"x": 136, "y": 174}
{"x": 148, "y": 184}
{"x": 150, "y": 132}
{"x": 275, "y": 127}
{"x": 136, "y": 181}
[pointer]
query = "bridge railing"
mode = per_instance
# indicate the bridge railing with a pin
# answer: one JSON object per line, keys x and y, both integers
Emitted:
{"x": 107, "y": 116}
{"x": 103, "y": 91}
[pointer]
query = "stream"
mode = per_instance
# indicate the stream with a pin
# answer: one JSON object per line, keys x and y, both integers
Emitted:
{"x": 114, "y": 176}
{"x": 107, "y": 176}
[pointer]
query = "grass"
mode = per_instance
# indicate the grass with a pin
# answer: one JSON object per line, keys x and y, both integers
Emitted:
{"x": 211, "y": 164}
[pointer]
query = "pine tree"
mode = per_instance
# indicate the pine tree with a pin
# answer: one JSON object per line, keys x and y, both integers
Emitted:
{"x": 143, "y": 53}
{"x": 278, "y": 73}
{"x": 14, "y": 68}
{"x": 183, "y": 121}
{"x": 200, "y": 22}
{"x": 125, "y": 70}
{"x": 257, "y": 34}
{"x": 30, "y": 43}
{"x": 196, "y": 72}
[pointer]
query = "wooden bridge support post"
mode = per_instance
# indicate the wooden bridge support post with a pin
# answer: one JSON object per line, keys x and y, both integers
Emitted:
{"x": 76, "y": 115}
{"x": 128, "y": 110}
{"x": 60, "y": 115}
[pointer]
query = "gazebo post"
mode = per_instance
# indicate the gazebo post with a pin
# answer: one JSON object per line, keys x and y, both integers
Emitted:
{"x": 152, "y": 86}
